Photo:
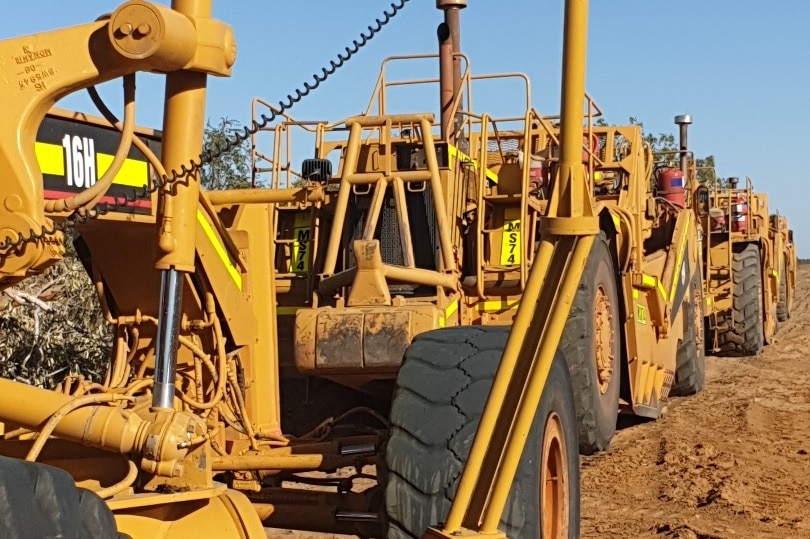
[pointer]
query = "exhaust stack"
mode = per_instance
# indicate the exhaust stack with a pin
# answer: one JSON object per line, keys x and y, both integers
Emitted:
{"x": 683, "y": 122}
{"x": 449, "y": 34}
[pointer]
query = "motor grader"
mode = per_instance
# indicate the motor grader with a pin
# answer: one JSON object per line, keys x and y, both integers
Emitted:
{"x": 745, "y": 266}
{"x": 184, "y": 436}
{"x": 424, "y": 242}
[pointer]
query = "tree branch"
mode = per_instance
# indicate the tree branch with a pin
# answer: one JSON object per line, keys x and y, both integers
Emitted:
{"x": 22, "y": 298}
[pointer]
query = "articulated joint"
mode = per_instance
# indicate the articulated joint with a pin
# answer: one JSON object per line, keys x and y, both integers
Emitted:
{"x": 36, "y": 255}
{"x": 140, "y": 30}
{"x": 167, "y": 441}
{"x": 569, "y": 226}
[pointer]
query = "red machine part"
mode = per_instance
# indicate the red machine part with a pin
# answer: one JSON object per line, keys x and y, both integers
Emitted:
{"x": 670, "y": 185}
{"x": 594, "y": 146}
{"x": 739, "y": 214}
{"x": 539, "y": 173}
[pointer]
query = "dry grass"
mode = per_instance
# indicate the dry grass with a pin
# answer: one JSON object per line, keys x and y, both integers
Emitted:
{"x": 51, "y": 326}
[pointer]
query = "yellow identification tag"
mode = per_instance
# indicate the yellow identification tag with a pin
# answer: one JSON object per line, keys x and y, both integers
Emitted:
{"x": 510, "y": 244}
{"x": 299, "y": 263}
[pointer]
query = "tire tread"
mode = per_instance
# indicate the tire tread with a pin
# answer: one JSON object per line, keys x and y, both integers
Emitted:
{"x": 743, "y": 335}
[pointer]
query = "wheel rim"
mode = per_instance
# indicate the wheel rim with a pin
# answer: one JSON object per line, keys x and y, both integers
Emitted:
{"x": 554, "y": 480}
{"x": 603, "y": 339}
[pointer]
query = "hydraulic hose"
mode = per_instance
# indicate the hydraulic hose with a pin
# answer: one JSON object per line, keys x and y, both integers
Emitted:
{"x": 90, "y": 196}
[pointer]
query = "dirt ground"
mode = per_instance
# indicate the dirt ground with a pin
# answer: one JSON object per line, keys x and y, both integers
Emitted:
{"x": 731, "y": 462}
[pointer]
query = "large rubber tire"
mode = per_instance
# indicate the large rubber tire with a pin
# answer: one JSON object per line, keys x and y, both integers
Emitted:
{"x": 690, "y": 369}
{"x": 744, "y": 333}
{"x": 782, "y": 311}
{"x": 441, "y": 392}
{"x": 39, "y": 501}
{"x": 596, "y": 390}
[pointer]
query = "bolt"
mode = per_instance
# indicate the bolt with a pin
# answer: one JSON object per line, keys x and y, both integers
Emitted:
{"x": 125, "y": 28}
{"x": 144, "y": 29}
{"x": 13, "y": 203}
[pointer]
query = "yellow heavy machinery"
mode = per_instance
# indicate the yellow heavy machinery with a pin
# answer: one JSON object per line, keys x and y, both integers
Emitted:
{"x": 746, "y": 263}
{"x": 184, "y": 436}
{"x": 422, "y": 249}
{"x": 781, "y": 237}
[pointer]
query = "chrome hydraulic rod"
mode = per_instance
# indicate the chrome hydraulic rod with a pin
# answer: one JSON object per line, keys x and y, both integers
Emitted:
{"x": 183, "y": 128}
{"x": 171, "y": 297}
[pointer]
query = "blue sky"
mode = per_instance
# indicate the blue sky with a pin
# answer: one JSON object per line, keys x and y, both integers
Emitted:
{"x": 739, "y": 68}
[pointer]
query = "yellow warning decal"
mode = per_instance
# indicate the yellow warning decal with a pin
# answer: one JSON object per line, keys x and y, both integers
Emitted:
{"x": 641, "y": 314}
{"x": 496, "y": 305}
{"x": 451, "y": 309}
{"x": 448, "y": 312}
{"x": 649, "y": 281}
{"x": 302, "y": 232}
{"x": 133, "y": 173}
{"x": 219, "y": 247}
{"x": 455, "y": 153}
{"x": 51, "y": 159}
{"x": 679, "y": 260}
{"x": 510, "y": 242}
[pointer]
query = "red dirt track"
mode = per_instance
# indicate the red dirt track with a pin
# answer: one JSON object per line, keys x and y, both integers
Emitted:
{"x": 731, "y": 462}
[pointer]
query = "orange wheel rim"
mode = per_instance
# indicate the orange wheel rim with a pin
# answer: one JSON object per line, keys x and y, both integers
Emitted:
{"x": 554, "y": 480}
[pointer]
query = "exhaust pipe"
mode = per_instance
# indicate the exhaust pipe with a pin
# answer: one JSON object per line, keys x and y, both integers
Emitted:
{"x": 449, "y": 34}
{"x": 447, "y": 87}
{"x": 683, "y": 122}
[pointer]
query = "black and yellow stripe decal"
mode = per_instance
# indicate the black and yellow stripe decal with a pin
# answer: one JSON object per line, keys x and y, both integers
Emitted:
{"x": 455, "y": 153}
{"x": 219, "y": 247}
{"x": 133, "y": 173}
{"x": 54, "y": 142}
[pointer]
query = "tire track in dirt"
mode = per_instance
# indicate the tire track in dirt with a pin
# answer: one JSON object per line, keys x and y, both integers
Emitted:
{"x": 733, "y": 461}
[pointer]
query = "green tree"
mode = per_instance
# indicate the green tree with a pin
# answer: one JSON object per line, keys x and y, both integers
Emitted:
{"x": 665, "y": 145}
{"x": 706, "y": 172}
{"x": 231, "y": 170}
